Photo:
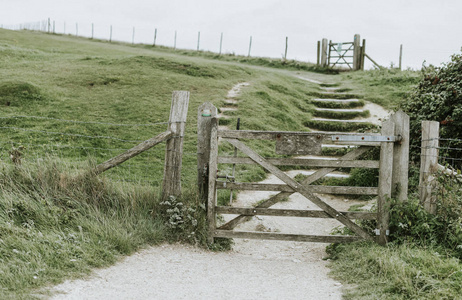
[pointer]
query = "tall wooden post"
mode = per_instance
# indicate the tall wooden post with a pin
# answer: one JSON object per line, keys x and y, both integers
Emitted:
{"x": 400, "y": 156}
{"x": 174, "y": 42}
{"x": 155, "y": 37}
{"x": 356, "y": 52}
{"x": 385, "y": 183}
{"x": 363, "y": 54}
{"x": 324, "y": 53}
{"x": 318, "y": 56}
{"x": 287, "y": 45}
{"x": 198, "y": 40}
{"x": 110, "y": 35}
{"x": 212, "y": 193}
{"x": 400, "y": 55}
{"x": 171, "y": 185}
{"x": 221, "y": 43}
{"x": 206, "y": 112}
{"x": 250, "y": 46}
{"x": 49, "y": 25}
{"x": 133, "y": 36}
{"x": 428, "y": 163}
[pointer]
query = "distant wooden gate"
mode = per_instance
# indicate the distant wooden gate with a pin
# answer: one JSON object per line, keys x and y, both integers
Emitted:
{"x": 393, "y": 142}
{"x": 349, "y": 54}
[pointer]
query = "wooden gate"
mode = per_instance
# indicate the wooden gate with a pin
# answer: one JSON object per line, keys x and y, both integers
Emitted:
{"x": 333, "y": 54}
{"x": 393, "y": 143}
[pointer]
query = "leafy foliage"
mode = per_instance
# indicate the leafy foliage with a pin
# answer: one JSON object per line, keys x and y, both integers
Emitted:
{"x": 438, "y": 97}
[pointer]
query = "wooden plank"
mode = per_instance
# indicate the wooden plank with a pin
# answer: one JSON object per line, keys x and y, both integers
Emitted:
{"x": 287, "y": 237}
{"x": 428, "y": 163}
{"x": 310, "y": 179}
{"x": 148, "y": 144}
{"x": 400, "y": 175}
{"x": 171, "y": 185}
{"x": 298, "y": 145}
{"x": 373, "y": 61}
{"x": 300, "y": 189}
{"x": 212, "y": 193}
{"x": 323, "y": 137}
{"x": 369, "y": 164}
{"x": 291, "y": 213}
{"x": 385, "y": 179}
{"x": 319, "y": 189}
{"x": 205, "y": 113}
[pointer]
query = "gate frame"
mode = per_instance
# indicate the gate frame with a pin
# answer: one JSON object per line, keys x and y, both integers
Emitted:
{"x": 393, "y": 174}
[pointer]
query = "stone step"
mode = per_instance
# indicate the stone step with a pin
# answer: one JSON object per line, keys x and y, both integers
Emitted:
{"x": 336, "y": 100}
{"x": 339, "y": 121}
{"x": 341, "y": 109}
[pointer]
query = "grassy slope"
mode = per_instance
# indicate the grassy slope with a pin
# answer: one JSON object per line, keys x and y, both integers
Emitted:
{"x": 43, "y": 210}
{"x": 74, "y": 78}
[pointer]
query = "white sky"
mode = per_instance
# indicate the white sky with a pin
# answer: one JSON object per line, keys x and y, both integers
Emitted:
{"x": 429, "y": 30}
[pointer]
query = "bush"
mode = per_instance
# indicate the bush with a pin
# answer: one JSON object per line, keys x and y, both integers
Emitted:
{"x": 438, "y": 97}
{"x": 409, "y": 222}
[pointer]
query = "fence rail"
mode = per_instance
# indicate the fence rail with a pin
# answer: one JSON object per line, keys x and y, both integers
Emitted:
{"x": 23, "y": 142}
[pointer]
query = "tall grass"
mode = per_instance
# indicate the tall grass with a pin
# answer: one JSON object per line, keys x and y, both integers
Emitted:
{"x": 54, "y": 224}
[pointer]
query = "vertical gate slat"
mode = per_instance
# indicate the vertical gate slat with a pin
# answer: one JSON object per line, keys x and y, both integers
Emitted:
{"x": 213, "y": 165}
{"x": 385, "y": 180}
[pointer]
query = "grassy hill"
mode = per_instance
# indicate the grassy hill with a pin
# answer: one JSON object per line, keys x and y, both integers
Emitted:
{"x": 56, "y": 223}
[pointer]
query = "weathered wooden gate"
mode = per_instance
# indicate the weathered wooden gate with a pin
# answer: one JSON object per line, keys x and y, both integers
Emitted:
{"x": 334, "y": 54}
{"x": 393, "y": 171}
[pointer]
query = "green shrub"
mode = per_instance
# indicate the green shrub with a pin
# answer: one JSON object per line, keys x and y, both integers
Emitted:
{"x": 438, "y": 97}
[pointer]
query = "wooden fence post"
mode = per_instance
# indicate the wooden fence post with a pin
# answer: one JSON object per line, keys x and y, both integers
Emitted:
{"x": 287, "y": 45}
{"x": 205, "y": 113}
{"x": 400, "y": 55}
{"x": 363, "y": 52}
{"x": 324, "y": 53}
{"x": 318, "y": 52}
{"x": 400, "y": 156}
{"x": 250, "y": 46}
{"x": 171, "y": 185}
{"x": 212, "y": 193}
{"x": 385, "y": 183}
{"x": 428, "y": 163}
{"x": 356, "y": 52}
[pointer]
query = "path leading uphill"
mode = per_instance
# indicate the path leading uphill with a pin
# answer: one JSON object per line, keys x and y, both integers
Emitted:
{"x": 254, "y": 269}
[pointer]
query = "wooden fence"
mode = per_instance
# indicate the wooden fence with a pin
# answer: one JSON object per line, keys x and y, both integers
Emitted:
{"x": 393, "y": 175}
{"x": 173, "y": 137}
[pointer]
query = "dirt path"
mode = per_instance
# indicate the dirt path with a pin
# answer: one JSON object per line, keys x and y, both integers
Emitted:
{"x": 254, "y": 269}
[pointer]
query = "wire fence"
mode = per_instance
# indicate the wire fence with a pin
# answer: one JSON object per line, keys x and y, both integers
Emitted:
{"x": 81, "y": 144}
{"x": 449, "y": 151}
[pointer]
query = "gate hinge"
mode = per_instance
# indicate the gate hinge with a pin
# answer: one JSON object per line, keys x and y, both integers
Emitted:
{"x": 377, "y": 232}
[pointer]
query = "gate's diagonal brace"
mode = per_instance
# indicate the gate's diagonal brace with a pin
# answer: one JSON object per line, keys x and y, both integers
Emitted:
{"x": 307, "y": 181}
{"x": 300, "y": 189}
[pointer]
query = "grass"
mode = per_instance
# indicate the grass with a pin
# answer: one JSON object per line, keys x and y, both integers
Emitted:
{"x": 55, "y": 224}
{"x": 341, "y": 115}
{"x": 339, "y": 126}
{"x": 396, "y": 272}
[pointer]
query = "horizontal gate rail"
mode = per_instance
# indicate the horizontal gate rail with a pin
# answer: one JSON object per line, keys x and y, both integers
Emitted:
{"x": 292, "y": 213}
{"x": 319, "y": 189}
{"x": 369, "y": 164}
{"x": 287, "y": 237}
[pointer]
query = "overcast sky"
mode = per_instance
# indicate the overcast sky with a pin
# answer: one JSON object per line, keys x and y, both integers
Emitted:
{"x": 429, "y": 30}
